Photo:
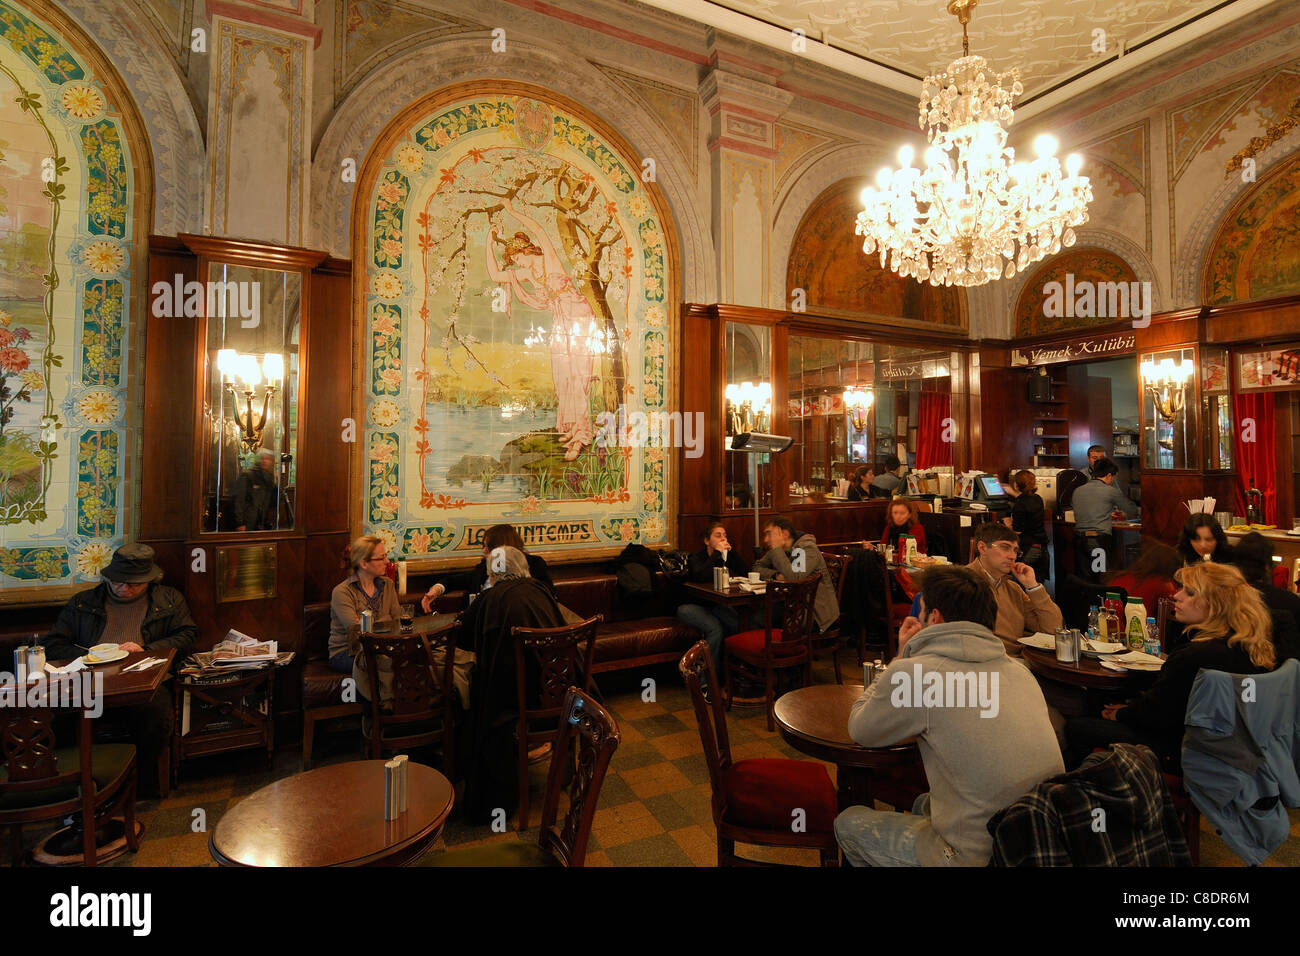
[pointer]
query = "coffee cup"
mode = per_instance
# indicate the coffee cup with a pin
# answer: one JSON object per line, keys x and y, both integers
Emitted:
{"x": 755, "y": 577}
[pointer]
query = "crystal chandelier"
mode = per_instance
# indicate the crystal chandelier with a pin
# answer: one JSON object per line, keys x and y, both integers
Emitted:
{"x": 973, "y": 214}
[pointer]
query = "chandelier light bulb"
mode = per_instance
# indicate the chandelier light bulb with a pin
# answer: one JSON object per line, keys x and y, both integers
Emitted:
{"x": 1045, "y": 146}
{"x": 883, "y": 177}
{"x": 1073, "y": 163}
{"x": 905, "y": 155}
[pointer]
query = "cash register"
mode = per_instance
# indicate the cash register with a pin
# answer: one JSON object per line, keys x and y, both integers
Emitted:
{"x": 985, "y": 490}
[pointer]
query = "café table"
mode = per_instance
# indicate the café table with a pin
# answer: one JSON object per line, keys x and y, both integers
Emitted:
{"x": 334, "y": 816}
{"x": 1099, "y": 684}
{"x": 815, "y": 720}
{"x": 734, "y": 596}
{"x": 64, "y": 847}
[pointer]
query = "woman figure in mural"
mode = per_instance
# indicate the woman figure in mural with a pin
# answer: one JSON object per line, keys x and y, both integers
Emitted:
{"x": 535, "y": 273}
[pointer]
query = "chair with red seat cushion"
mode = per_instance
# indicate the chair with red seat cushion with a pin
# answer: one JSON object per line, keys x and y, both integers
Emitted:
{"x": 760, "y": 792}
{"x": 754, "y": 800}
{"x": 764, "y": 651}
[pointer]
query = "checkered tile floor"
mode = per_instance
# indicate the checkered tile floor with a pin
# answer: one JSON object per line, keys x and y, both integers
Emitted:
{"x": 654, "y": 808}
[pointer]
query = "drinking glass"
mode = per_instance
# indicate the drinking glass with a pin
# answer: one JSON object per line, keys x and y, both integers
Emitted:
{"x": 407, "y": 616}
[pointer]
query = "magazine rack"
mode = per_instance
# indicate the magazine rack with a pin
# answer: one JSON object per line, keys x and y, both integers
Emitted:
{"x": 223, "y": 713}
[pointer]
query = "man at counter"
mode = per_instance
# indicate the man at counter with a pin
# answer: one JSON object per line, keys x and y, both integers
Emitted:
{"x": 1023, "y": 604}
{"x": 1096, "y": 505}
{"x": 1095, "y": 454}
{"x": 886, "y": 484}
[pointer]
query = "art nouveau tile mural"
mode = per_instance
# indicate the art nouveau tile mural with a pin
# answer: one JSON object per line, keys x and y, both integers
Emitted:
{"x": 67, "y": 208}
{"x": 517, "y": 291}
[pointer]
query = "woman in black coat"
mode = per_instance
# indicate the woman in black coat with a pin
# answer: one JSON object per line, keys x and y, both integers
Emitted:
{"x": 487, "y": 738}
{"x": 1029, "y": 520}
{"x": 1230, "y": 629}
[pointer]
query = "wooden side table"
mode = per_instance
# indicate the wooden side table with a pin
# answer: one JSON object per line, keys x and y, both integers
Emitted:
{"x": 235, "y": 712}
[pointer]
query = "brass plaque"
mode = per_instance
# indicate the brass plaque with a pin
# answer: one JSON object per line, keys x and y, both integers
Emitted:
{"x": 245, "y": 573}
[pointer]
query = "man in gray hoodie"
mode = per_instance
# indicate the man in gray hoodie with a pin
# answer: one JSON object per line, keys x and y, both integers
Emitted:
{"x": 979, "y": 719}
{"x": 793, "y": 557}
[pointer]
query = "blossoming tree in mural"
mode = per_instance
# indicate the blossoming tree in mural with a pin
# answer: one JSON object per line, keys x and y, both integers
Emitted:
{"x": 553, "y": 244}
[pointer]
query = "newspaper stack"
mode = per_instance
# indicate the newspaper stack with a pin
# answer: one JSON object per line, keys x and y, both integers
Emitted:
{"x": 237, "y": 652}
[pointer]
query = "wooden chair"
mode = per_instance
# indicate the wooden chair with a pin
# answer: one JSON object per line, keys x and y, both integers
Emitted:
{"x": 1164, "y": 613}
{"x": 1188, "y": 815}
{"x": 895, "y": 614}
{"x": 423, "y": 692}
{"x": 316, "y": 673}
{"x": 757, "y": 651}
{"x": 587, "y": 737}
{"x": 41, "y": 782}
{"x": 754, "y": 800}
{"x": 836, "y": 566}
{"x": 560, "y": 665}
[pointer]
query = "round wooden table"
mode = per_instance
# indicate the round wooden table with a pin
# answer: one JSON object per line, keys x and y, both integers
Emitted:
{"x": 1088, "y": 672}
{"x": 815, "y": 720}
{"x": 1099, "y": 684}
{"x": 334, "y": 816}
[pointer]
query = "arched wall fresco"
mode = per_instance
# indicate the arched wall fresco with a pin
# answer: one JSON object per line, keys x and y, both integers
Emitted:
{"x": 71, "y": 189}
{"x": 1071, "y": 270}
{"x": 515, "y": 286}
{"x": 827, "y": 261}
{"x": 1256, "y": 253}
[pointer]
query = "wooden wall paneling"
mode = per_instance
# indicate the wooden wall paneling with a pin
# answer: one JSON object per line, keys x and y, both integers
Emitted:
{"x": 782, "y": 470}
{"x": 1272, "y": 321}
{"x": 324, "y": 458}
{"x": 1006, "y": 419}
{"x": 701, "y": 377}
{"x": 166, "y": 476}
{"x": 960, "y": 409}
{"x": 1283, "y": 479}
{"x": 1100, "y": 417}
{"x": 1163, "y": 493}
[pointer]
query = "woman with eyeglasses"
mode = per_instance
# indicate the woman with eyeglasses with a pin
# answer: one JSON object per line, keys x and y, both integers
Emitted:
{"x": 366, "y": 588}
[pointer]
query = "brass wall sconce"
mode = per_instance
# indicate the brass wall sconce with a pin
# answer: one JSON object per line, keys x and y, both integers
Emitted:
{"x": 1167, "y": 383}
{"x": 241, "y": 375}
{"x": 858, "y": 402}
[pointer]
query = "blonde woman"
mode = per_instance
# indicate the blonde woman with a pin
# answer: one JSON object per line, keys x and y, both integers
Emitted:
{"x": 365, "y": 588}
{"x": 1228, "y": 629}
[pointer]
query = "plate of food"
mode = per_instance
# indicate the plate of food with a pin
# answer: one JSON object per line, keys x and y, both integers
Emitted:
{"x": 104, "y": 654}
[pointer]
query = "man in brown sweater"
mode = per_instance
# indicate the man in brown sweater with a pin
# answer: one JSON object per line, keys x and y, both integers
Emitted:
{"x": 1023, "y": 604}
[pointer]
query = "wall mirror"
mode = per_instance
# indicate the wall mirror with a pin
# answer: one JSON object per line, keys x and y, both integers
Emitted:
{"x": 747, "y": 405}
{"x": 250, "y": 366}
{"x": 1168, "y": 402}
{"x": 250, "y": 408}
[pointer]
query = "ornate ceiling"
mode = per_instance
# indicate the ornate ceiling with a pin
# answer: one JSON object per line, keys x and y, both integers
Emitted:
{"x": 1051, "y": 41}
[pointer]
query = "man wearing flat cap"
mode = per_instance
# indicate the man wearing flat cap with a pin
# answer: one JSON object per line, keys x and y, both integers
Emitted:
{"x": 132, "y": 609}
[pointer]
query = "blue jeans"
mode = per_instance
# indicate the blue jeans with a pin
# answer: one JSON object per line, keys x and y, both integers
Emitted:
{"x": 342, "y": 662}
{"x": 716, "y": 622}
{"x": 881, "y": 838}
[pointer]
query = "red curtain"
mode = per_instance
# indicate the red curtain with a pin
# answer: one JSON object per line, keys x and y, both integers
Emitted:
{"x": 1256, "y": 460}
{"x": 931, "y": 449}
